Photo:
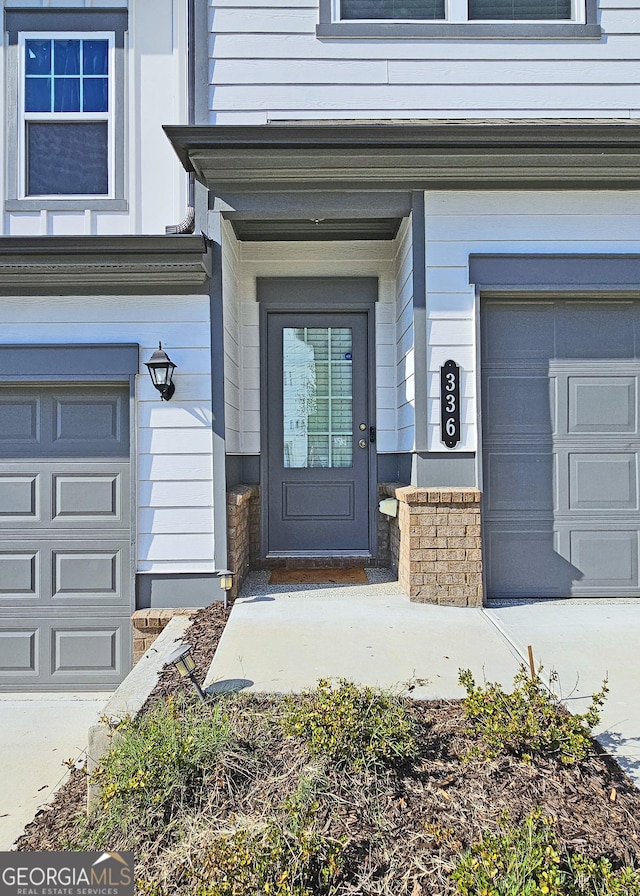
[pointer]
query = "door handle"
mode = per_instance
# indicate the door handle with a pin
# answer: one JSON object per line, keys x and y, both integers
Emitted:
{"x": 362, "y": 443}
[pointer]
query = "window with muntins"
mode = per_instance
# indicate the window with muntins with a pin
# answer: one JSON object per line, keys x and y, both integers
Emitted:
{"x": 66, "y": 112}
{"x": 66, "y": 115}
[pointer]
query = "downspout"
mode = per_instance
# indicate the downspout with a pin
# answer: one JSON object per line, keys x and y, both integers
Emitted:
{"x": 187, "y": 225}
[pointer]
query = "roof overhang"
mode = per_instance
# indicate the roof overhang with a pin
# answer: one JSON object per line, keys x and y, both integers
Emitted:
{"x": 138, "y": 265}
{"x": 543, "y": 154}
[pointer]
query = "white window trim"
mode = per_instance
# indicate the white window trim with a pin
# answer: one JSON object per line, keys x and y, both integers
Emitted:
{"x": 61, "y": 117}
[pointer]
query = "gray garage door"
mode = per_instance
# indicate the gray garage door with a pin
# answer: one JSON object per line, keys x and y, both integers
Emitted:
{"x": 561, "y": 448}
{"x": 65, "y": 538}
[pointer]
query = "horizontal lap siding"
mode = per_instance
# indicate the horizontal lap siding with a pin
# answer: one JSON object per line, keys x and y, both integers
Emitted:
{"x": 173, "y": 439}
{"x": 459, "y": 224}
{"x": 267, "y": 65}
{"x": 404, "y": 373}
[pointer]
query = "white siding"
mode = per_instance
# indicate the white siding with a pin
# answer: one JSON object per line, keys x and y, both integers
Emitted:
{"x": 269, "y": 66}
{"x": 173, "y": 439}
{"x": 461, "y": 223}
{"x": 233, "y": 370}
{"x": 404, "y": 372}
{"x": 154, "y": 95}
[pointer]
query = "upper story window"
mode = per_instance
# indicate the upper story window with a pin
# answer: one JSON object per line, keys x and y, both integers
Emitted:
{"x": 66, "y": 115}
{"x": 487, "y": 10}
{"x": 459, "y": 18}
{"x": 65, "y": 98}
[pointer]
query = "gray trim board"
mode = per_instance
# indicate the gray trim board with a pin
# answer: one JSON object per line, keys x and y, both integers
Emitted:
{"x": 575, "y": 273}
{"x": 167, "y": 591}
{"x": 516, "y": 30}
{"x": 243, "y": 469}
{"x": 89, "y": 265}
{"x": 117, "y": 362}
{"x": 52, "y": 21}
{"x": 259, "y": 230}
{"x": 451, "y": 469}
{"x": 310, "y": 294}
{"x": 395, "y": 467}
{"x": 432, "y": 155}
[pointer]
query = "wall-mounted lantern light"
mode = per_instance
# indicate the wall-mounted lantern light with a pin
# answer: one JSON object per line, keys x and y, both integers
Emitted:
{"x": 184, "y": 662}
{"x": 226, "y": 583}
{"x": 161, "y": 369}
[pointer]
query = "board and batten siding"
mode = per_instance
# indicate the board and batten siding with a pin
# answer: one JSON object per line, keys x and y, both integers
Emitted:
{"x": 462, "y": 223}
{"x": 268, "y": 65}
{"x": 155, "y": 94}
{"x": 244, "y": 262}
{"x": 173, "y": 441}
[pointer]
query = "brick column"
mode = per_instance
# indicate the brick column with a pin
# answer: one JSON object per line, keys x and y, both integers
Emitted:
{"x": 436, "y": 545}
{"x": 243, "y": 532}
{"x": 147, "y": 625}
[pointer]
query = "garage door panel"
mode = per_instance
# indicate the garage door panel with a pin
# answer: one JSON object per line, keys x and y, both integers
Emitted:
{"x": 92, "y": 649}
{"x": 517, "y": 331}
{"x": 19, "y": 574}
{"x": 607, "y": 559}
{"x": 92, "y": 498}
{"x": 602, "y": 404}
{"x": 602, "y": 481}
{"x": 21, "y": 422}
{"x": 19, "y": 652}
{"x": 519, "y": 481}
{"x": 87, "y": 576}
{"x": 518, "y": 405}
{"x": 595, "y": 330}
{"x": 89, "y": 424}
{"x": 527, "y": 563}
{"x": 18, "y": 498}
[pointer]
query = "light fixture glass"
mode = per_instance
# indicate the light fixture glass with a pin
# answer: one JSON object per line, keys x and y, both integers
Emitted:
{"x": 184, "y": 662}
{"x": 161, "y": 369}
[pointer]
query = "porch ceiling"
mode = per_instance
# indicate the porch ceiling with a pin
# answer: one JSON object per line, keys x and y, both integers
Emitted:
{"x": 260, "y": 230}
{"x": 567, "y": 154}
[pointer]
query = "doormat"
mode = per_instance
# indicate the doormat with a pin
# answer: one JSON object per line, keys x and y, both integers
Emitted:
{"x": 349, "y": 575}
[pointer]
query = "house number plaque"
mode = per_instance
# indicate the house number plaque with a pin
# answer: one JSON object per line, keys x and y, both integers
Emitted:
{"x": 450, "y": 404}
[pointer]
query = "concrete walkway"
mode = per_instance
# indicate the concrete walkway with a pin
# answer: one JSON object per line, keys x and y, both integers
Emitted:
{"x": 283, "y": 638}
{"x": 38, "y": 733}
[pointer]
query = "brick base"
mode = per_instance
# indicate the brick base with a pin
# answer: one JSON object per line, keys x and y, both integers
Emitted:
{"x": 147, "y": 625}
{"x": 435, "y": 544}
{"x": 243, "y": 532}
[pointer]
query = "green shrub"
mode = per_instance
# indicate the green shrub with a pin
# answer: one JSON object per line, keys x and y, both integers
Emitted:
{"x": 351, "y": 725}
{"x": 529, "y": 721}
{"x": 525, "y": 861}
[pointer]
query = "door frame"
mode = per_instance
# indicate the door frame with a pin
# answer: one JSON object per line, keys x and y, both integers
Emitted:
{"x": 302, "y": 295}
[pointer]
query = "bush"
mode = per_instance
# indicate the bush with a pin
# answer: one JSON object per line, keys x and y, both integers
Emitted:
{"x": 157, "y": 763}
{"x": 524, "y": 861}
{"x": 529, "y": 721}
{"x": 351, "y": 725}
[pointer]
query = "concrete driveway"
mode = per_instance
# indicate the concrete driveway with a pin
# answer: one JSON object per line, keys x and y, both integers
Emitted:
{"x": 38, "y": 733}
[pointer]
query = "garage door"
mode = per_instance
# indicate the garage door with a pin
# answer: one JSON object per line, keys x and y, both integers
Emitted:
{"x": 560, "y": 448}
{"x": 65, "y": 538}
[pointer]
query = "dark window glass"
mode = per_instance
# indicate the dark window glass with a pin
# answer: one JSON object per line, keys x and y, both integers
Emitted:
{"x": 392, "y": 9}
{"x": 521, "y": 10}
{"x": 37, "y": 95}
{"x": 67, "y": 159}
{"x": 38, "y": 57}
{"x": 66, "y": 57}
{"x": 96, "y": 94}
{"x": 95, "y": 58}
{"x": 66, "y": 94}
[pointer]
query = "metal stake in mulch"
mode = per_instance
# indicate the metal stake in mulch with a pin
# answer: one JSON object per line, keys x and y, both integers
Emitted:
{"x": 184, "y": 662}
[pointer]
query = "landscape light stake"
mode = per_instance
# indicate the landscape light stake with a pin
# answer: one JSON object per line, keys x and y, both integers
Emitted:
{"x": 532, "y": 668}
{"x": 186, "y": 665}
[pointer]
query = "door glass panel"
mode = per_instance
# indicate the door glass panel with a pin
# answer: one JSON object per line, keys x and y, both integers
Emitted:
{"x": 317, "y": 397}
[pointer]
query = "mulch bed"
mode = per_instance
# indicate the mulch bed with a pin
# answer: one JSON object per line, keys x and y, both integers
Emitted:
{"x": 596, "y": 806}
